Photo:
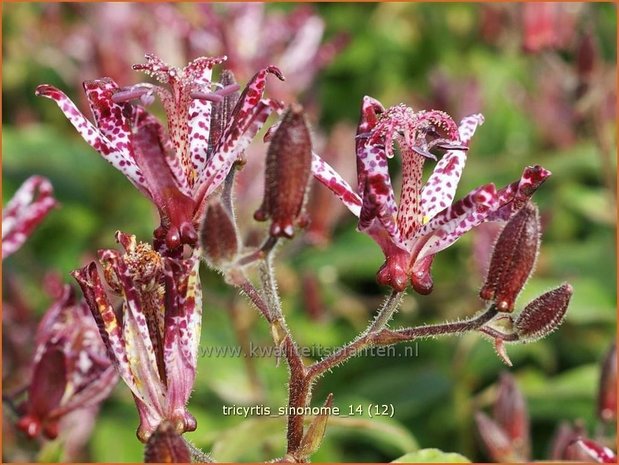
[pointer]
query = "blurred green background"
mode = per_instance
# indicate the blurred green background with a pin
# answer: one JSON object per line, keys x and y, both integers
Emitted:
{"x": 553, "y": 106}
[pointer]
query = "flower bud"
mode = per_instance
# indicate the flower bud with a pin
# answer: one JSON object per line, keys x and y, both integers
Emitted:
{"x": 166, "y": 446}
{"x": 513, "y": 258}
{"x": 565, "y": 435}
{"x": 510, "y": 411}
{"x": 315, "y": 432}
{"x": 607, "y": 396}
{"x": 586, "y": 450}
{"x": 544, "y": 314}
{"x": 287, "y": 174}
{"x": 494, "y": 438}
{"x": 218, "y": 235}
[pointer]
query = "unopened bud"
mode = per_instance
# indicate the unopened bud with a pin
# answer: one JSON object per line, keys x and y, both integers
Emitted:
{"x": 287, "y": 174}
{"x": 218, "y": 235}
{"x": 544, "y": 314}
{"x": 565, "y": 435}
{"x": 586, "y": 450}
{"x": 510, "y": 411}
{"x": 315, "y": 432}
{"x": 513, "y": 258}
{"x": 165, "y": 445}
{"x": 494, "y": 438}
{"x": 607, "y": 396}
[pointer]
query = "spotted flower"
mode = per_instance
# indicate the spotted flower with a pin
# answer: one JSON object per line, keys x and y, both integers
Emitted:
{"x": 153, "y": 338}
{"x": 28, "y": 207}
{"x": 71, "y": 370}
{"x": 180, "y": 168}
{"x": 426, "y": 220}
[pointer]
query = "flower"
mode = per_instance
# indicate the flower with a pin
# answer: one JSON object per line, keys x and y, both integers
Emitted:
{"x": 177, "y": 170}
{"x": 28, "y": 207}
{"x": 71, "y": 370}
{"x": 425, "y": 221}
{"x": 153, "y": 339}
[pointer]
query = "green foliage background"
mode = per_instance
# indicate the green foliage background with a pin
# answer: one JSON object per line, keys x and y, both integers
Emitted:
{"x": 393, "y": 50}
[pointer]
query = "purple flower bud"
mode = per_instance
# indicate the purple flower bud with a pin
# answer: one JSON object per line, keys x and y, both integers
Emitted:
{"x": 513, "y": 258}
{"x": 510, "y": 411}
{"x": 218, "y": 235}
{"x": 544, "y": 314}
{"x": 166, "y": 446}
{"x": 607, "y": 396}
{"x": 288, "y": 169}
{"x": 565, "y": 435}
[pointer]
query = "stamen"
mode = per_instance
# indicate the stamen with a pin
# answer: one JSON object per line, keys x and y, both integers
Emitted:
{"x": 210, "y": 96}
{"x": 228, "y": 90}
{"x": 133, "y": 93}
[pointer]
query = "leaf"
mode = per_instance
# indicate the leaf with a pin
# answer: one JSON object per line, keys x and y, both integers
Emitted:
{"x": 431, "y": 456}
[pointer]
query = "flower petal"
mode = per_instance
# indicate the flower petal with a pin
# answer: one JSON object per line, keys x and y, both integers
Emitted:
{"x": 109, "y": 327}
{"x": 235, "y": 139}
{"x": 23, "y": 213}
{"x": 440, "y": 189}
{"x": 119, "y": 157}
{"x": 446, "y": 227}
{"x": 324, "y": 173}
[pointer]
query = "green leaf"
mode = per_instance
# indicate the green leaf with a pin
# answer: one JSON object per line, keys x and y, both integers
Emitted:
{"x": 431, "y": 456}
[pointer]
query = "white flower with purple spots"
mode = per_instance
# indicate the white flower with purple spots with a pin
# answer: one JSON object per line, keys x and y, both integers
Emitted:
{"x": 153, "y": 338}
{"x": 426, "y": 220}
{"x": 209, "y": 128}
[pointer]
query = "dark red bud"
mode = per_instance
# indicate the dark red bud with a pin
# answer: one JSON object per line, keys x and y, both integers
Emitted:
{"x": 165, "y": 445}
{"x": 287, "y": 174}
{"x": 513, "y": 258}
{"x": 218, "y": 235}
{"x": 510, "y": 412}
{"x": 544, "y": 314}
{"x": 586, "y": 450}
{"x": 607, "y": 396}
{"x": 495, "y": 440}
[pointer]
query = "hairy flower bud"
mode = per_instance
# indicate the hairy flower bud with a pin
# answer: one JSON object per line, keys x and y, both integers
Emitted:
{"x": 166, "y": 446}
{"x": 544, "y": 314}
{"x": 513, "y": 258}
{"x": 510, "y": 411}
{"x": 607, "y": 396}
{"x": 218, "y": 235}
{"x": 287, "y": 174}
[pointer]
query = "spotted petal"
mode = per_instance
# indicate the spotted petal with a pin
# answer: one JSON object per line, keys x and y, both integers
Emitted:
{"x": 324, "y": 173}
{"x": 117, "y": 156}
{"x": 440, "y": 189}
{"x": 23, "y": 213}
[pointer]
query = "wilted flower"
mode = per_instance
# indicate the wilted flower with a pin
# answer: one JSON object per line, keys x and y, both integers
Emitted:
{"x": 23, "y": 213}
{"x": 425, "y": 221}
{"x": 71, "y": 370}
{"x": 153, "y": 338}
{"x": 179, "y": 170}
